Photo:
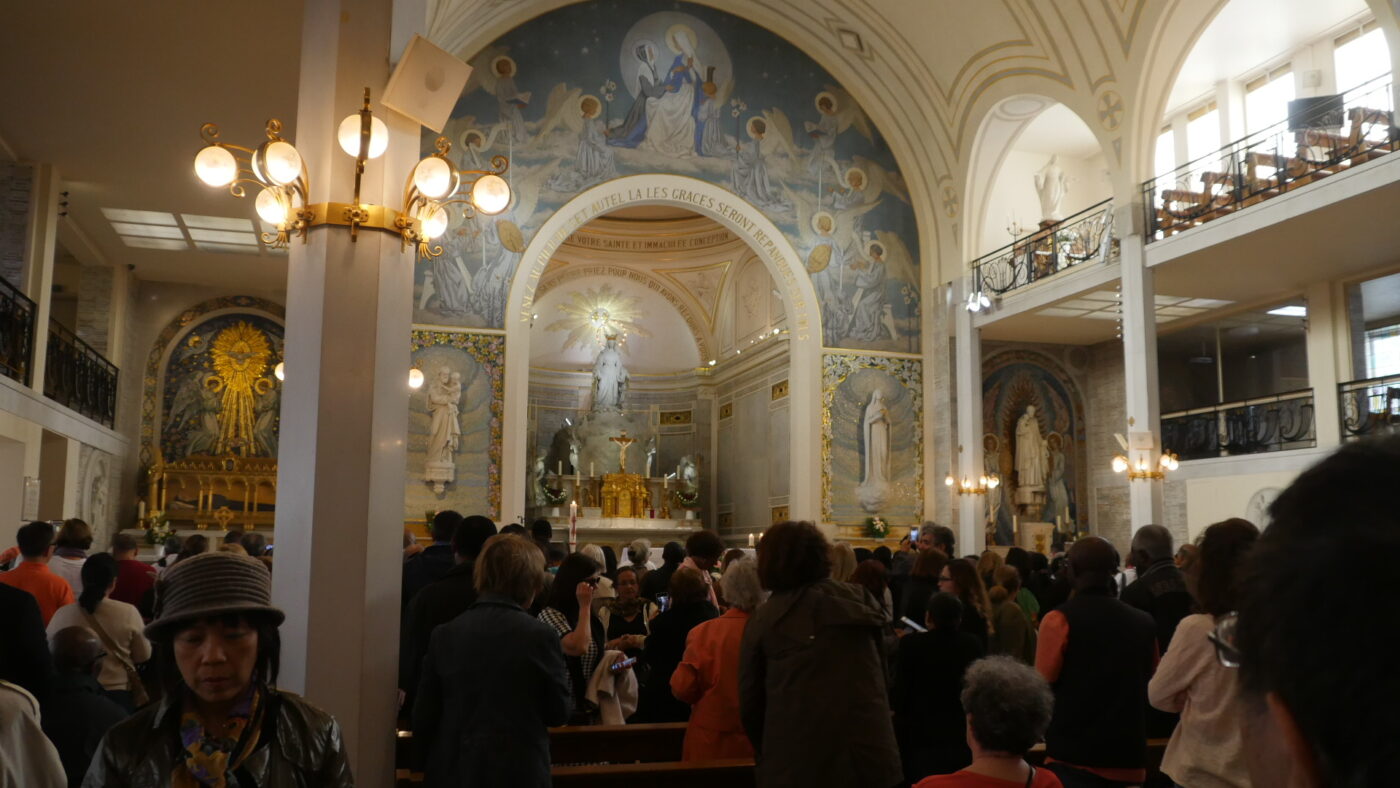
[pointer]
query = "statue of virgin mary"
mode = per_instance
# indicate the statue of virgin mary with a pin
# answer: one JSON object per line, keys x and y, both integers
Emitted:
{"x": 875, "y": 481}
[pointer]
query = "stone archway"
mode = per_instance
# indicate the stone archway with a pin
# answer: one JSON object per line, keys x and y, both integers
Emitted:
{"x": 742, "y": 219}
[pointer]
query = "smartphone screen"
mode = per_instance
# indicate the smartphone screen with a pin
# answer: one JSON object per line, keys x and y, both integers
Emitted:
{"x": 663, "y": 601}
{"x": 624, "y": 665}
{"x": 914, "y": 534}
{"x": 909, "y": 622}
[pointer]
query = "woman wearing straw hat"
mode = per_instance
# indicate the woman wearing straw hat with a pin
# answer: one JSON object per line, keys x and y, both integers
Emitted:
{"x": 220, "y": 721}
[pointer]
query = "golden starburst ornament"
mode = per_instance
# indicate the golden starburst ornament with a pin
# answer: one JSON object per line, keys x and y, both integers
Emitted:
{"x": 240, "y": 354}
{"x": 592, "y": 315}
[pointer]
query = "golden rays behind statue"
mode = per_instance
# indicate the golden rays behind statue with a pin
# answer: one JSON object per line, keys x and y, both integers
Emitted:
{"x": 592, "y": 315}
{"x": 240, "y": 355}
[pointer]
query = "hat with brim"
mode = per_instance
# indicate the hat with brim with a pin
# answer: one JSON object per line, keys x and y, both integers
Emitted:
{"x": 211, "y": 585}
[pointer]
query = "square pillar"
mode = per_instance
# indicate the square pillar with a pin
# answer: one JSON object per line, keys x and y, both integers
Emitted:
{"x": 1327, "y": 340}
{"x": 345, "y": 403}
{"x": 38, "y": 263}
{"x": 1144, "y": 413}
{"x": 967, "y": 463}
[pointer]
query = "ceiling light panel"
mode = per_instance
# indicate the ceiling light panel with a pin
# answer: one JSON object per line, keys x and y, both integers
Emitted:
{"x": 1059, "y": 312}
{"x": 154, "y": 243}
{"x": 216, "y": 222}
{"x": 147, "y": 230}
{"x": 224, "y": 236}
{"x": 206, "y": 246}
{"x": 139, "y": 217}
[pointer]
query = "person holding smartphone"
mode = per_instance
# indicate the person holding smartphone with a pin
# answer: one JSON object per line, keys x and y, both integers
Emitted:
{"x": 568, "y": 609}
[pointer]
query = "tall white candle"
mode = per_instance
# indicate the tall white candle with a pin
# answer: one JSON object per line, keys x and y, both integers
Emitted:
{"x": 140, "y": 510}
{"x": 590, "y": 470}
{"x": 560, "y": 470}
{"x": 750, "y": 540}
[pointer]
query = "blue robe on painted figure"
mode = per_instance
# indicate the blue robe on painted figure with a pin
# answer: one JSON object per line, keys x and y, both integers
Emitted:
{"x": 649, "y": 86}
{"x": 672, "y": 127}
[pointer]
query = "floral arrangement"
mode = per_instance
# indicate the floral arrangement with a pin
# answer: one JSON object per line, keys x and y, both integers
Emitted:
{"x": 555, "y": 496}
{"x": 158, "y": 527}
{"x": 687, "y": 500}
{"x": 876, "y": 528}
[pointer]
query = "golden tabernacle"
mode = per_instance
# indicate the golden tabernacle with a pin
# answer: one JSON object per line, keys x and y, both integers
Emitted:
{"x": 625, "y": 495}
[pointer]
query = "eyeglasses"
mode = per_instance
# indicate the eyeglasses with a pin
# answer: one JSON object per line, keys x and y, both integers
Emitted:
{"x": 1223, "y": 638}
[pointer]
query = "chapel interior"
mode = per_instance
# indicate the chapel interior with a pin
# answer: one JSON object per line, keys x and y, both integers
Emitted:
{"x": 1029, "y": 269}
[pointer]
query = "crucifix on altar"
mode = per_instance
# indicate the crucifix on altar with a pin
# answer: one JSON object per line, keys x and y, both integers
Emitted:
{"x": 622, "y": 442}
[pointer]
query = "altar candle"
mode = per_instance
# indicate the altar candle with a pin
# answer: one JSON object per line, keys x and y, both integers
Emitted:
{"x": 750, "y": 540}
{"x": 590, "y": 470}
{"x": 1015, "y": 523}
{"x": 665, "y": 483}
{"x": 140, "y": 510}
{"x": 560, "y": 471}
{"x": 573, "y": 525}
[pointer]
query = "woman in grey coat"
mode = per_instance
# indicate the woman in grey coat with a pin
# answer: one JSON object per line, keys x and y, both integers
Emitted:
{"x": 812, "y": 692}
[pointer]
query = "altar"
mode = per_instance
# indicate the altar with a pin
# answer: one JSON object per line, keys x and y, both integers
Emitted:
{"x": 622, "y": 530}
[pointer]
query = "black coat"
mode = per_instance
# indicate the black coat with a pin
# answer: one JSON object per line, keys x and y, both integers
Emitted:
{"x": 927, "y": 701}
{"x": 493, "y": 683}
{"x": 428, "y": 566}
{"x": 665, "y": 647}
{"x": 76, "y": 717}
{"x": 438, "y": 603}
{"x": 24, "y": 650}
{"x": 657, "y": 581}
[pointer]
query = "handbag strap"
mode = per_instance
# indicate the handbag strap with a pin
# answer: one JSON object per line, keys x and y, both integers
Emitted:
{"x": 107, "y": 640}
{"x": 1030, "y": 778}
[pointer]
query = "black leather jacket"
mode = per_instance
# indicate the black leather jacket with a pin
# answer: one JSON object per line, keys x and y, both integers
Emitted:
{"x": 300, "y": 747}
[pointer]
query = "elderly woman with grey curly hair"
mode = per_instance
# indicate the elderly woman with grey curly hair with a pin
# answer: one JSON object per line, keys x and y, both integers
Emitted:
{"x": 708, "y": 674}
{"x": 1008, "y": 708}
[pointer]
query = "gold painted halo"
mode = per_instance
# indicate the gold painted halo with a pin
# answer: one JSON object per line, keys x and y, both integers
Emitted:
{"x": 498, "y": 60}
{"x": 675, "y": 29}
{"x": 756, "y": 127}
{"x": 857, "y": 172}
{"x": 583, "y": 103}
{"x": 826, "y": 94}
{"x": 824, "y": 223}
{"x": 473, "y": 138}
{"x": 875, "y": 250}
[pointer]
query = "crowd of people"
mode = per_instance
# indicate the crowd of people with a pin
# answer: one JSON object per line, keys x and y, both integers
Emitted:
{"x": 826, "y": 665}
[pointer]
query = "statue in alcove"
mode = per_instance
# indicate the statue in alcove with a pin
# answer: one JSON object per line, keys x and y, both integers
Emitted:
{"x": 610, "y": 378}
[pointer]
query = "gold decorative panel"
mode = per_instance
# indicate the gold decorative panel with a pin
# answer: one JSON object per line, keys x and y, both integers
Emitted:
{"x": 780, "y": 514}
{"x": 726, "y": 410}
{"x": 673, "y": 417}
{"x": 726, "y": 521}
{"x": 780, "y": 389}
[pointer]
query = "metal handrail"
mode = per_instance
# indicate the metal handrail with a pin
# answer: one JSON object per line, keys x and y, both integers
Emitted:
{"x": 1051, "y": 250}
{"x": 17, "y": 321}
{"x": 1250, "y": 426}
{"x": 78, "y": 377}
{"x": 1233, "y": 177}
{"x": 1356, "y": 401}
{"x": 1264, "y": 400}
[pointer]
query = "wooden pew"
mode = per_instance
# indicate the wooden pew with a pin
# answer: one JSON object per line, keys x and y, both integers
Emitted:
{"x": 671, "y": 774}
{"x": 647, "y": 743}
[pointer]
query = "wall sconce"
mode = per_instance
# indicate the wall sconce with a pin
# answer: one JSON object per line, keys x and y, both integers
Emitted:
{"x": 977, "y": 301}
{"x": 276, "y": 167}
{"x": 984, "y": 485}
{"x": 1142, "y": 468}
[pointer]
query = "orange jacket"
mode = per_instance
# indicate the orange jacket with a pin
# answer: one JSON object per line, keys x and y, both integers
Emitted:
{"x": 708, "y": 679}
{"x": 49, "y": 590}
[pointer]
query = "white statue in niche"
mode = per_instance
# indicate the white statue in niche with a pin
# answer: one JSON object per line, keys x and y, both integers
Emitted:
{"x": 1052, "y": 185}
{"x": 1032, "y": 455}
{"x": 444, "y": 429}
{"x": 610, "y": 378}
{"x": 875, "y": 482}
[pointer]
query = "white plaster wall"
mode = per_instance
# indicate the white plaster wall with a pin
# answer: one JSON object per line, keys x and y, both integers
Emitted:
{"x": 1013, "y": 193}
{"x": 1212, "y": 500}
{"x": 752, "y": 467}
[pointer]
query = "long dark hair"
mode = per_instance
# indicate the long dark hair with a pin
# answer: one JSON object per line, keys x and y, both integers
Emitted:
{"x": 575, "y": 569}
{"x": 98, "y": 573}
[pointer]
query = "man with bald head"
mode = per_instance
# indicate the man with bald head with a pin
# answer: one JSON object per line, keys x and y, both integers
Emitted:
{"x": 78, "y": 713}
{"x": 1098, "y": 654}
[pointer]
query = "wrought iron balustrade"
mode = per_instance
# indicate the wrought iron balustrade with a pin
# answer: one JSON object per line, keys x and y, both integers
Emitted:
{"x": 17, "y": 315}
{"x": 1272, "y": 161}
{"x": 1369, "y": 407}
{"x": 1083, "y": 237}
{"x": 78, "y": 377}
{"x": 1274, "y": 423}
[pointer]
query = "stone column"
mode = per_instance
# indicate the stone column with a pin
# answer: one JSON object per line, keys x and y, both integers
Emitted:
{"x": 967, "y": 462}
{"x": 1327, "y": 341}
{"x": 1140, "y": 375}
{"x": 38, "y": 263}
{"x": 345, "y": 403}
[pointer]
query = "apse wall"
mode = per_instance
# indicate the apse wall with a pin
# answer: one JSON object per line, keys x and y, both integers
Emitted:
{"x": 594, "y": 91}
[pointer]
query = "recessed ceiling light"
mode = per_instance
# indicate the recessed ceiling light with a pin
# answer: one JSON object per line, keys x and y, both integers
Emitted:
{"x": 147, "y": 230}
{"x": 1205, "y": 303}
{"x": 216, "y": 222}
{"x": 224, "y": 236}
{"x": 218, "y": 247}
{"x": 154, "y": 243}
{"x": 140, "y": 217}
{"x": 1292, "y": 310}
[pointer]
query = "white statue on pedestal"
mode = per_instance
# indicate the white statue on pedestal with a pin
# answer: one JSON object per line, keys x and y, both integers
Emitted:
{"x": 610, "y": 378}
{"x": 875, "y": 482}
{"x": 444, "y": 429}
{"x": 1052, "y": 185}
{"x": 1032, "y": 458}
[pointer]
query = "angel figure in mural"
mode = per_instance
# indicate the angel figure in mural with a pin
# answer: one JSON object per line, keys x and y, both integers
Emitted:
{"x": 266, "y": 410}
{"x": 195, "y": 412}
{"x": 447, "y": 285}
{"x": 1056, "y": 490}
{"x": 444, "y": 427}
{"x": 831, "y": 243}
{"x": 867, "y": 305}
{"x": 610, "y": 378}
{"x": 475, "y": 144}
{"x": 509, "y": 100}
{"x": 749, "y": 175}
{"x": 649, "y": 88}
{"x": 594, "y": 162}
{"x": 837, "y": 111}
{"x": 991, "y": 465}
{"x": 671, "y": 118}
{"x": 873, "y": 491}
{"x": 1031, "y": 453}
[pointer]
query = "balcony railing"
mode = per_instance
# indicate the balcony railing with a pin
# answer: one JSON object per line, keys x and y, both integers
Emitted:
{"x": 1369, "y": 407}
{"x": 17, "y": 315}
{"x": 1272, "y": 161}
{"x": 1083, "y": 237}
{"x": 1274, "y": 423}
{"x": 78, "y": 377}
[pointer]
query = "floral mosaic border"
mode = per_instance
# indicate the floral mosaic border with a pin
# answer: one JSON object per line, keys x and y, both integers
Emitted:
{"x": 489, "y": 350}
{"x": 836, "y": 367}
